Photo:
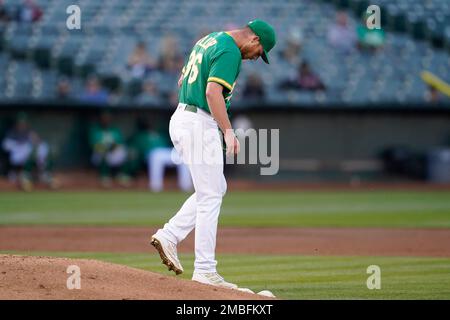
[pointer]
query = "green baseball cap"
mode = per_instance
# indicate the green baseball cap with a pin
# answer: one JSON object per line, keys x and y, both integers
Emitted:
{"x": 266, "y": 35}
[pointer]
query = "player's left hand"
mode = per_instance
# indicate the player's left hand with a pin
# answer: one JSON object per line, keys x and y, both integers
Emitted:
{"x": 232, "y": 143}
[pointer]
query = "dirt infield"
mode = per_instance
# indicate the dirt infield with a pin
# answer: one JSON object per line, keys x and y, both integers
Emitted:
{"x": 86, "y": 180}
{"x": 23, "y": 277}
{"x": 306, "y": 241}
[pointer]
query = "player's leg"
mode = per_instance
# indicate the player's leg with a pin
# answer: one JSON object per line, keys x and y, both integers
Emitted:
{"x": 21, "y": 158}
{"x": 44, "y": 165}
{"x": 199, "y": 212}
{"x": 104, "y": 170}
{"x": 184, "y": 175}
{"x": 209, "y": 180}
{"x": 210, "y": 187}
{"x": 42, "y": 152}
{"x": 182, "y": 223}
{"x": 158, "y": 160}
{"x": 184, "y": 178}
{"x": 177, "y": 229}
{"x": 166, "y": 239}
{"x": 155, "y": 171}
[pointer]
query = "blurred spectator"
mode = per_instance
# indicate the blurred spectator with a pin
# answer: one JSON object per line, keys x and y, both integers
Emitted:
{"x": 291, "y": 52}
{"x": 158, "y": 153}
{"x": 109, "y": 152}
{"x": 370, "y": 39}
{"x": 94, "y": 93}
{"x": 170, "y": 59}
{"x": 254, "y": 87}
{"x": 306, "y": 79}
{"x": 149, "y": 94}
{"x": 432, "y": 95}
{"x": 27, "y": 152}
{"x": 341, "y": 35}
{"x": 140, "y": 62}
{"x": 63, "y": 89}
{"x": 204, "y": 31}
{"x": 168, "y": 88}
{"x": 117, "y": 97}
{"x": 4, "y": 15}
{"x": 29, "y": 11}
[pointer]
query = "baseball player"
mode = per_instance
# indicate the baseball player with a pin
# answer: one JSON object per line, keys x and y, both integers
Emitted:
{"x": 206, "y": 86}
{"x": 27, "y": 151}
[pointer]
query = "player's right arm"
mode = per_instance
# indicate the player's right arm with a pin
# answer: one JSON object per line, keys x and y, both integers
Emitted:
{"x": 218, "y": 109}
{"x": 180, "y": 79}
{"x": 222, "y": 74}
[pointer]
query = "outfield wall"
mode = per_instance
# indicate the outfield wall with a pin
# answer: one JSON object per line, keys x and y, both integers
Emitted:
{"x": 345, "y": 144}
{"x": 316, "y": 143}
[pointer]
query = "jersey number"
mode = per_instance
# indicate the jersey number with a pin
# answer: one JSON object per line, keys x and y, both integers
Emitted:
{"x": 191, "y": 70}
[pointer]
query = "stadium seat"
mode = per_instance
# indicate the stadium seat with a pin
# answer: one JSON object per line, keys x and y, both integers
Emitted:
{"x": 111, "y": 29}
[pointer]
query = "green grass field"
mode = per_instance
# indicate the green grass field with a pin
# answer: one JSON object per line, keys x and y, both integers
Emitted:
{"x": 305, "y": 277}
{"x": 289, "y": 277}
{"x": 295, "y": 209}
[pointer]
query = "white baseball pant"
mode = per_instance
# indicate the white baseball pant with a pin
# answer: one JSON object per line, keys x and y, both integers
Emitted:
{"x": 197, "y": 139}
{"x": 20, "y": 152}
{"x": 160, "y": 158}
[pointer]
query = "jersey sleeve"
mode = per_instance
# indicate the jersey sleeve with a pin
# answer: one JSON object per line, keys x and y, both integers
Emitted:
{"x": 224, "y": 69}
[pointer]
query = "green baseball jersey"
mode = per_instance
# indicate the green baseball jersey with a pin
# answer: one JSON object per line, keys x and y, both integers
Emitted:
{"x": 214, "y": 58}
{"x": 147, "y": 141}
{"x": 103, "y": 139}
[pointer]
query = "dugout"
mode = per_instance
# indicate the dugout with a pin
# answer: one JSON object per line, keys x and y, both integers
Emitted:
{"x": 336, "y": 143}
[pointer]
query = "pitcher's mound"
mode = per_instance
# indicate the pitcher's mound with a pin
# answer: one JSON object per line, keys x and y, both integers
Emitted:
{"x": 28, "y": 277}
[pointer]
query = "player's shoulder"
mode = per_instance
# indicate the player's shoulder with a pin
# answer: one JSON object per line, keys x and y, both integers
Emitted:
{"x": 225, "y": 44}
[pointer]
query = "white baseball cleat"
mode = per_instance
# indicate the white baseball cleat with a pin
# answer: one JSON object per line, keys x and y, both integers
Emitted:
{"x": 168, "y": 253}
{"x": 214, "y": 279}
